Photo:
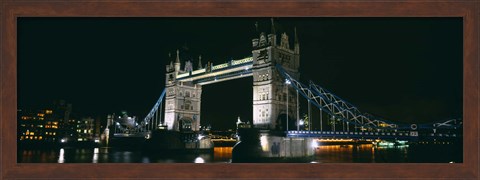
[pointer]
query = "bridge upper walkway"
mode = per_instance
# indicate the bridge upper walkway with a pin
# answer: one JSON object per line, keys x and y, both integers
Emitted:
{"x": 211, "y": 74}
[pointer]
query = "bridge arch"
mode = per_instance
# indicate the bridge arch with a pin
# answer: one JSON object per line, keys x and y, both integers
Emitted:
{"x": 186, "y": 124}
{"x": 281, "y": 122}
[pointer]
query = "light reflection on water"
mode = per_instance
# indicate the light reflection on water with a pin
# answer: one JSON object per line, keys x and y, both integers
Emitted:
{"x": 95, "y": 155}
{"x": 199, "y": 160}
{"x": 61, "y": 157}
{"x": 365, "y": 153}
{"x": 112, "y": 155}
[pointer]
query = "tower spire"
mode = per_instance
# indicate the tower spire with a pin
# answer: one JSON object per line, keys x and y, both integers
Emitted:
{"x": 296, "y": 38}
{"x": 296, "y": 44}
{"x": 178, "y": 57}
{"x": 200, "y": 62}
{"x": 273, "y": 26}
{"x": 177, "y": 62}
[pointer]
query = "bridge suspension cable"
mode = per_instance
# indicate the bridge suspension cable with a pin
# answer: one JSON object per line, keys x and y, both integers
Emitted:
{"x": 348, "y": 113}
{"x": 152, "y": 116}
{"x": 317, "y": 100}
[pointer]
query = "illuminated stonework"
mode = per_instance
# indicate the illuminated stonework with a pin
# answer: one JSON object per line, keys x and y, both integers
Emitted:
{"x": 182, "y": 101}
{"x": 182, "y": 111}
{"x": 269, "y": 89}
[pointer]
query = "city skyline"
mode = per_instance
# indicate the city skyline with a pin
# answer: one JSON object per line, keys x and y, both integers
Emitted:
{"x": 401, "y": 69}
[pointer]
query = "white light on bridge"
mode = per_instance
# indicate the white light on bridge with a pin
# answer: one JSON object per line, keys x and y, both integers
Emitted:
{"x": 264, "y": 143}
{"x": 200, "y": 137}
{"x": 287, "y": 82}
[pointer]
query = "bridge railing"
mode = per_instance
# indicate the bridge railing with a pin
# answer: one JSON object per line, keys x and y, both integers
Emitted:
{"x": 375, "y": 135}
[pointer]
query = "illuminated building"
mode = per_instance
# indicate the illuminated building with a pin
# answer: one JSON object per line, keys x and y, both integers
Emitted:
{"x": 37, "y": 126}
{"x": 44, "y": 125}
{"x": 85, "y": 129}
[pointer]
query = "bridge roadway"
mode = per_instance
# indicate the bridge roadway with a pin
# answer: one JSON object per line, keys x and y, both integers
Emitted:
{"x": 411, "y": 135}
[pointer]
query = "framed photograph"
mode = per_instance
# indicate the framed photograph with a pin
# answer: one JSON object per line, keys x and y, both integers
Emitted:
{"x": 240, "y": 90}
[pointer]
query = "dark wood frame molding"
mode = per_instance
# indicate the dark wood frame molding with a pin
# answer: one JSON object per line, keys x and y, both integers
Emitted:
{"x": 11, "y": 10}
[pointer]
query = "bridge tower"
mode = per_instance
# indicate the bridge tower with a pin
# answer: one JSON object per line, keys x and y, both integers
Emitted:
{"x": 269, "y": 88}
{"x": 183, "y": 99}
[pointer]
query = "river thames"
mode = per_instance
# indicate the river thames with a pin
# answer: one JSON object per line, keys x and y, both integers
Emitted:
{"x": 365, "y": 153}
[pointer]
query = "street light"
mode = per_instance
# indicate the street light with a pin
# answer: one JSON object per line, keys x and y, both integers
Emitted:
{"x": 287, "y": 82}
{"x": 301, "y": 122}
{"x": 116, "y": 124}
{"x": 200, "y": 137}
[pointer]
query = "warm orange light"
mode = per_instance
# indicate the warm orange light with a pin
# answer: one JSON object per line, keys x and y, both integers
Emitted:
{"x": 40, "y": 114}
{"x": 48, "y": 111}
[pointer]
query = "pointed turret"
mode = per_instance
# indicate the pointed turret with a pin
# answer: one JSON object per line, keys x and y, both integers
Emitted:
{"x": 296, "y": 45}
{"x": 272, "y": 37}
{"x": 170, "y": 66}
{"x": 273, "y": 27}
{"x": 177, "y": 62}
{"x": 200, "y": 62}
{"x": 170, "y": 58}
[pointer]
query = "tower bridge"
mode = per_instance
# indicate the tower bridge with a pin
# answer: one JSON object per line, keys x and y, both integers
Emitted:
{"x": 276, "y": 91}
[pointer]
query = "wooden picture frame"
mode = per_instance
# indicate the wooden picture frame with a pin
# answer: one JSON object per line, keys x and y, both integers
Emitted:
{"x": 11, "y": 10}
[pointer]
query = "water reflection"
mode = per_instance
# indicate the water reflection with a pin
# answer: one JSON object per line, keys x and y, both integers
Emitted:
{"x": 199, "y": 160}
{"x": 95, "y": 155}
{"x": 145, "y": 160}
{"x": 61, "y": 157}
{"x": 222, "y": 154}
{"x": 365, "y": 153}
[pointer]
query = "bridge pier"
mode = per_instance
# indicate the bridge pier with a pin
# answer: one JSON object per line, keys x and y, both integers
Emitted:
{"x": 272, "y": 146}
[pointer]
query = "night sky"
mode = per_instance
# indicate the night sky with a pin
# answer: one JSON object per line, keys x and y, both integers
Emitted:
{"x": 400, "y": 69}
